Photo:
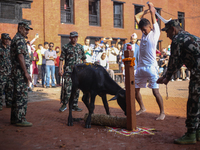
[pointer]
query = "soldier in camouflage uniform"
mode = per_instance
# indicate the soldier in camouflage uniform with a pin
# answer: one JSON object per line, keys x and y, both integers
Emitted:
{"x": 21, "y": 75}
{"x": 72, "y": 53}
{"x": 5, "y": 72}
{"x": 185, "y": 49}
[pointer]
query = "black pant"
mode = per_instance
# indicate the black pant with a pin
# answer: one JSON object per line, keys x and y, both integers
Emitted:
{"x": 57, "y": 75}
{"x": 39, "y": 72}
{"x": 43, "y": 69}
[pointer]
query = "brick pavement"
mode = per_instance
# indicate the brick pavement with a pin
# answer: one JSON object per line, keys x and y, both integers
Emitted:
{"x": 175, "y": 89}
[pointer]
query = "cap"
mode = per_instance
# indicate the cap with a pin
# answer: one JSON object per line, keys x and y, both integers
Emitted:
{"x": 25, "y": 25}
{"x": 171, "y": 23}
{"x": 5, "y": 36}
{"x": 73, "y": 34}
{"x": 134, "y": 35}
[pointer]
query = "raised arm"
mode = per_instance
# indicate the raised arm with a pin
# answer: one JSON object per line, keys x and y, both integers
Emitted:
{"x": 140, "y": 15}
{"x": 152, "y": 11}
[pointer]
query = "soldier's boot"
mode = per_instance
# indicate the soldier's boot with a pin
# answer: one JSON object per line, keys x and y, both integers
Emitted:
{"x": 188, "y": 138}
{"x": 198, "y": 134}
{"x": 63, "y": 108}
{"x": 24, "y": 124}
{"x": 1, "y": 107}
{"x": 76, "y": 108}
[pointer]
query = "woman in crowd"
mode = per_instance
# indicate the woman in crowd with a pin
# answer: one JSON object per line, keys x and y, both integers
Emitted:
{"x": 57, "y": 60}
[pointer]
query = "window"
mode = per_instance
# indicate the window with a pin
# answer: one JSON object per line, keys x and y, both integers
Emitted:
{"x": 157, "y": 18}
{"x": 181, "y": 19}
{"x": 94, "y": 18}
{"x": 11, "y": 12}
{"x": 67, "y": 14}
{"x": 138, "y": 9}
{"x": 118, "y": 14}
{"x": 92, "y": 39}
{"x": 8, "y": 11}
{"x": 64, "y": 39}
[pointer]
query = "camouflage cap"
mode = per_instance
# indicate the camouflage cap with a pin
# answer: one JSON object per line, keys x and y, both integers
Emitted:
{"x": 171, "y": 23}
{"x": 73, "y": 34}
{"x": 25, "y": 25}
{"x": 5, "y": 36}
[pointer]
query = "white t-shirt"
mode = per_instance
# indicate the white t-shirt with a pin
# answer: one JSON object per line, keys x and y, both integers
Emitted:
{"x": 112, "y": 57}
{"x": 148, "y": 45}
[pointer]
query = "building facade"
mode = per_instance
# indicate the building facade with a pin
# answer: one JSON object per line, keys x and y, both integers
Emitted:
{"x": 53, "y": 20}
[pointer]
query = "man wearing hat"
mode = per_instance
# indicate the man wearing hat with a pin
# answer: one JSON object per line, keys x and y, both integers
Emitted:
{"x": 72, "y": 53}
{"x": 5, "y": 71}
{"x": 21, "y": 75}
{"x": 135, "y": 48}
{"x": 185, "y": 49}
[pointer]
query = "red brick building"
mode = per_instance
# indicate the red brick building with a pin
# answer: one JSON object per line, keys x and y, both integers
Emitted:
{"x": 53, "y": 20}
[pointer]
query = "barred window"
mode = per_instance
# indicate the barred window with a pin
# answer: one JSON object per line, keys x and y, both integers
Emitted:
{"x": 181, "y": 19}
{"x": 7, "y": 11}
{"x": 94, "y": 17}
{"x": 11, "y": 12}
{"x": 138, "y": 9}
{"x": 67, "y": 12}
{"x": 118, "y": 14}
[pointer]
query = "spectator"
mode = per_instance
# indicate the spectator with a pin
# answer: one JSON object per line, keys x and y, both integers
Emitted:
{"x": 39, "y": 62}
{"x": 50, "y": 55}
{"x": 35, "y": 69}
{"x": 31, "y": 66}
{"x": 31, "y": 50}
{"x": 135, "y": 49}
{"x": 46, "y": 47}
{"x": 103, "y": 61}
{"x": 138, "y": 42}
{"x": 57, "y": 60}
{"x": 96, "y": 51}
{"x": 112, "y": 53}
{"x": 88, "y": 50}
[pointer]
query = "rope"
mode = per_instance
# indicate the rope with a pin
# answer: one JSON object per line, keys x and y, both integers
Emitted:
{"x": 167, "y": 93}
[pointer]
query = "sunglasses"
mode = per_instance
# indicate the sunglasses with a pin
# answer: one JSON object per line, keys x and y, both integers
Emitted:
{"x": 50, "y": 46}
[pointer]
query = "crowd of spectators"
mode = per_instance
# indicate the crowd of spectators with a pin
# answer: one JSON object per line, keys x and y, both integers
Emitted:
{"x": 106, "y": 51}
{"x": 163, "y": 59}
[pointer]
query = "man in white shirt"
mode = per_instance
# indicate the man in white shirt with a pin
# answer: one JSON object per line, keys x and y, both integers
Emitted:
{"x": 88, "y": 50}
{"x": 147, "y": 64}
{"x": 46, "y": 47}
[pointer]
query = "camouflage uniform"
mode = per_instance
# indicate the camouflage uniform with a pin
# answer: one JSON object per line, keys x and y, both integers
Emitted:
{"x": 185, "y": 49}
{"x": 72, "y": 55}
{"x": 20, "y": 94}
{"x": 5, "y": 75}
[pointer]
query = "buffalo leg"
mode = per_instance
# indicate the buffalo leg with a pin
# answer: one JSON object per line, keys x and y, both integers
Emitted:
{"x": 91, "y": 110}
{"x": 85, "y": 99}
{"x": 105, "y": 103}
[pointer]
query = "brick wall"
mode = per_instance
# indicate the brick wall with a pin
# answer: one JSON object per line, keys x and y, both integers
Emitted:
{"x": 45, "y": 18}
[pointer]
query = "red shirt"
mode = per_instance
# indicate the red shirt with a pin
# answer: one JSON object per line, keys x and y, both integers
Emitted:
{"x": 57, "y": 60}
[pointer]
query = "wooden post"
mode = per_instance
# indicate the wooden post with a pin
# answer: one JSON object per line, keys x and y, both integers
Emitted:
{"x": 130, "y": 92}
